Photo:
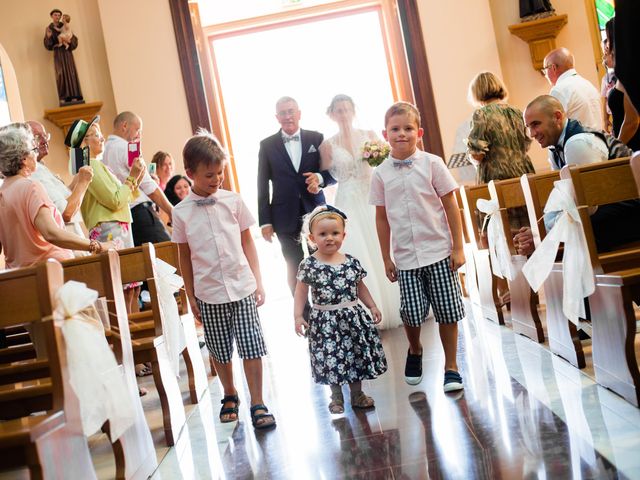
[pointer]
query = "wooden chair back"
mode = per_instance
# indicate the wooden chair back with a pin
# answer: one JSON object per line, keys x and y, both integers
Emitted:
{"x": 27, "y": 296}
{"x": 168, "y": 252}
{"x": 470, "y": 195}
{"x": 635, "y": 168}
{"x": 508, "y": 194}
{"x": 598, "y": 184}
{"x": 135, "y": 268}
{"x": 102, "y": 274}
{"x": 536, "y": 188}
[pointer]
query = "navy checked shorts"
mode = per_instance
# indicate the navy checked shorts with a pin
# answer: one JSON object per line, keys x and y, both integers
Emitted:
{"x": 237, "y": 320}
{"x": 434, "y": 285}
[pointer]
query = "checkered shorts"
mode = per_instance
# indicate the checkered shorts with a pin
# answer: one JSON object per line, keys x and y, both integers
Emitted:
{"x": 226, "y": 321}
{"x": 436, "y": 285}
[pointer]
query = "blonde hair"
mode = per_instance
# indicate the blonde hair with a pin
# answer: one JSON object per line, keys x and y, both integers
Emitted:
{"x": 319, "y": 213}
{"x": 402, "y": 108}
{"x": 486, "y": 87}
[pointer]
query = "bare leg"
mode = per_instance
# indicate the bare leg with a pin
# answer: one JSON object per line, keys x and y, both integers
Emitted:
{"x": 413, "y": 335}
{"x": 449, "y": 339}
{"x": 225, "y": 373}
{"x": 131, "y": 299}
{"x": 253, "y": 372}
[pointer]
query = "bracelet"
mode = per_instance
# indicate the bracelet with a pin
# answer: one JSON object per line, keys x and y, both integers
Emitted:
{"x": 131, "y": 180}
{"x": 95, "y": 246}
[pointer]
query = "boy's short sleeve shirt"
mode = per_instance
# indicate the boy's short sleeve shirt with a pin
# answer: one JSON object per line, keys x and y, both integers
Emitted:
{"x": 221, "y": 272}
{"x": 411, "y": 196}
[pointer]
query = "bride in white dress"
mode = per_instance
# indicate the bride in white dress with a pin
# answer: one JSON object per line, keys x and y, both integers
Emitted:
{"x": 341, "y": 154}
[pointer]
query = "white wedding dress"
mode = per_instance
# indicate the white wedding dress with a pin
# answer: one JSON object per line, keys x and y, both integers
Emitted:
{"x": 352, "y": 197}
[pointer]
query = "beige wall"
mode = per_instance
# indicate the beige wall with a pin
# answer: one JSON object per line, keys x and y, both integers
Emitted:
{"x": 145, "y": 72}
{"x": 23, "y": 27}
{"x": 460, "y": 43}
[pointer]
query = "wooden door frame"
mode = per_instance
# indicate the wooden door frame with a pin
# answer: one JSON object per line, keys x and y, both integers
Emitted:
{"x": 402, "y": 32}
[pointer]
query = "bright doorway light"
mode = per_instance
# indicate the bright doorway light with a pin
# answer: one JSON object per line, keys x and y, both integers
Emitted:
{"x": 311, "y": 62}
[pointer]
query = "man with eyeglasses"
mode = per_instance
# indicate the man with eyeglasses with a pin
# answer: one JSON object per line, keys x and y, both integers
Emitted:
{"x": 66, "y": 199}
{"x": 289, "y": 161}
{"x": 578, "y": 96}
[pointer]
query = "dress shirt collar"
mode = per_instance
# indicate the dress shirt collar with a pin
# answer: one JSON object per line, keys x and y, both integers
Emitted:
{"x": 413, "y": 157}
{"x": 569, "y": 73}
{"x": 560, "y": 142}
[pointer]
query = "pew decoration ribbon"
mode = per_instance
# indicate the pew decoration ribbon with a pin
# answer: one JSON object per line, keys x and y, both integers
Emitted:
{"x": 577, "y": 272}
{"x": 168, "y": 283}
{"x": 498, "y": 247}
{"x": 94, "y": 374}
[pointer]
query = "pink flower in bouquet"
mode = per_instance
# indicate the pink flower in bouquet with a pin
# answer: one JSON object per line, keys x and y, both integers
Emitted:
{"x": 375, "y": 152}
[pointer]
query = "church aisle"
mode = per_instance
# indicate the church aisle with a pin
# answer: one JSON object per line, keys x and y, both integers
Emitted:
{"x": 524, "y": 413}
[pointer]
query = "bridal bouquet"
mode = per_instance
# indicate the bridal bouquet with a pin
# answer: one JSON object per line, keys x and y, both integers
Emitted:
{"x": 374, "y": 152}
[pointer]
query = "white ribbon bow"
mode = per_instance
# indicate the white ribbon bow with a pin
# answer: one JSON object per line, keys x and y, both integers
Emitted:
{"x": 168, "y": 283}
{"x": 498, "y": 247}
{"x": 94, "y": 373}
{"x": 577, "y": 272}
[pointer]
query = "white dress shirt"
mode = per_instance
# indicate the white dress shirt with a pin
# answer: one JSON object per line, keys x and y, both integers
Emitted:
{"x": 116, "y": 158}
{"x": 294, "y": 149}
{"x": 580, "y": 99}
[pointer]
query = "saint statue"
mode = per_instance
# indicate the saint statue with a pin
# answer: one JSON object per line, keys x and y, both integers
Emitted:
{"x": 59, "y": 38}
{"x": 534, "y": 9}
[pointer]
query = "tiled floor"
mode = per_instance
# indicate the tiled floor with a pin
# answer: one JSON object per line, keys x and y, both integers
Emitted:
{"x": 524, "y": 413}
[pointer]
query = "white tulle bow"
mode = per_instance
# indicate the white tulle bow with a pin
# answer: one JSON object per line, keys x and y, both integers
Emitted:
{"x": 498, "y": 247}
{"x": 94, "y": 373}
{"x": 168, "y": 283}
{"x": 577, "y": 272}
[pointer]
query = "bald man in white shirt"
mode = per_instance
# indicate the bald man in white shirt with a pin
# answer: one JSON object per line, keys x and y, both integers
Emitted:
{"x": 578, "y": 96}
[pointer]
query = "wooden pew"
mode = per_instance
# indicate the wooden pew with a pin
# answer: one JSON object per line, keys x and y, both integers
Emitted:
{"x": 635, "y": 168}
{"x": 168, "y": 252}
{"x": 134, "y": 451}
{"x": 43, "y": 442}
{"x": 562, "y": 333}
{"x": 613, "y": 330}
{"x": 467, "y": 272}
{"x": 134, "y": 268}
{"x": 524, "y": 305}
{"x": 488, "y": 295}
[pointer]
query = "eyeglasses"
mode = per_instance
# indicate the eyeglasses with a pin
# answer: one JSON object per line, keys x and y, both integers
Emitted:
{"x": 544, "y": 70}
{"x": 286, "y": 113}
{"x": 42, "y": 138}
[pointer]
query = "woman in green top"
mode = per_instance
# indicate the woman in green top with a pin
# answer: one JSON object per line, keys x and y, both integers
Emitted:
{"x": 498, "y": 145}
{"x": 105, "y": 207}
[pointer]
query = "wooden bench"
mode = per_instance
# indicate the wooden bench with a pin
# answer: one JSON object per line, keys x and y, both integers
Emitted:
{"x": 486, "y": 281}
{"x": 524, "y": 304}
{"x": 150, "y": 346}
{"x": 635, "y": 168}
{"x": 134, "y": 451}
{"x": 616, "y": 273}
{"x": 561, "y": 333}
{"x": 44, "y": 442}
{"x": 467, "y": 273}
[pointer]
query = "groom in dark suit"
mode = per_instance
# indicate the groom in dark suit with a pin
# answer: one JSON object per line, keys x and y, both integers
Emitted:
{"x": 291, "y": 162}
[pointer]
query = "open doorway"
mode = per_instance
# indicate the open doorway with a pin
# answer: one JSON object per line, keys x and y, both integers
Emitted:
{"x": 310, "y": 61}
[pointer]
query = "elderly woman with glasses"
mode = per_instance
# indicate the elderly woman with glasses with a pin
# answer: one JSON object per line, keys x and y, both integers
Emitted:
{"x": 105, "y": 207}
{"x": 31, "y": 227}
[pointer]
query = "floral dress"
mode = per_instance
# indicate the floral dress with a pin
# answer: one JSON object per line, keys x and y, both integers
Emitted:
{"x": 344, "y": 344}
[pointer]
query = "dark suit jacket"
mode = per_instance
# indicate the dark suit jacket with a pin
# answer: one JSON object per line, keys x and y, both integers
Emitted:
{"x": 290, "y": 195}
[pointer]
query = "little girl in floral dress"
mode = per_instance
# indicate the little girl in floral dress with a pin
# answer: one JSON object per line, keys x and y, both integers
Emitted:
{"x": 344, "y": 344}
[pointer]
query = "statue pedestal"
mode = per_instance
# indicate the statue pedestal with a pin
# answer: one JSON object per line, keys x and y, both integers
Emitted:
{"x": 540, "y": 35}
{"x": 63, "y": 117}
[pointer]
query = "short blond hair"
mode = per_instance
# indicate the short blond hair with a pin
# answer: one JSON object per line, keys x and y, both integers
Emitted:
{"x": 402, "y": 108}
{"x": 485, "y": 87}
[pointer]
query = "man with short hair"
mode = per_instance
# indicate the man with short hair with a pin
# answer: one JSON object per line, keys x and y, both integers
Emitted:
{"x": 572, "y": 143}
{"x": 289, "y": 162}
{"x": 67, "y": 200}
{"x": 146, "y": 226}
{"x": 580, "y": 99}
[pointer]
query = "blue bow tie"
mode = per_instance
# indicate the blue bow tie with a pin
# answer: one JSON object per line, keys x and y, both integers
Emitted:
{"x": 292, "y": 138}
{"x": 402, "y": 163}
{"x": 205, "y": 201}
